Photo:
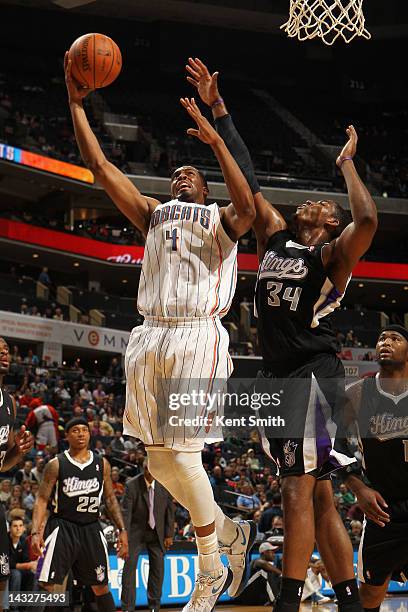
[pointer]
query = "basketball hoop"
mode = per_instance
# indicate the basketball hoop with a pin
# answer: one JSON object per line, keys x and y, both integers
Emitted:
{"x": 326, "y": 19}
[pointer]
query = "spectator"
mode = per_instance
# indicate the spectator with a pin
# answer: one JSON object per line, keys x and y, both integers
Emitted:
{"x": 37, "y": 472}
{"x": 117, "y": 443}
{"x": 24, "y": 473}
{"x": 264, "y": 583}
{"x": 5, "y": 490}
{"x": 248, "y": 501}
{"x": 42, "y": 420}
{"x": 44, "y": 277}
{"x": 58, "y": 314}
{"x": 265, "y": 524}
{"x": 31, "y": 359}
{"x": 85, "y": 394}
{"x": 356, "y": 529}
{"x": 118, "y": 487}
{"x": 98, "y": 394}
{"x": 28, "y": 497}
{"x": 21, "y": 568}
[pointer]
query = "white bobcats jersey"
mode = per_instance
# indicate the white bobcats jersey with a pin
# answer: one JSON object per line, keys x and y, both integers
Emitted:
{"x": 190, "y": 263}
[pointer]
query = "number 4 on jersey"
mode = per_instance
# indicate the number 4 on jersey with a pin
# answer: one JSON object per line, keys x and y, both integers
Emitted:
{"x": 173, "y": 237}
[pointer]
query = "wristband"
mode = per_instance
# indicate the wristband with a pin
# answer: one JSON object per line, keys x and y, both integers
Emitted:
{"x": 343, "y": 159}
{"x": 217, "y": 102}
{"x": 122, "y": 529}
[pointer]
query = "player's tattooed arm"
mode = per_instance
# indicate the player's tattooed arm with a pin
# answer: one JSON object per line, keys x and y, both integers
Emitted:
{"x": 135, "y": 206}
{"x": 114, "y": 511}
{"x": 40, "y": 507}
{"x": 18, "y": 445}
{"x": 268, "y": 219}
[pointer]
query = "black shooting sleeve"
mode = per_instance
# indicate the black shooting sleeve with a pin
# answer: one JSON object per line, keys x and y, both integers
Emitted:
{"x": 238, "y": 149}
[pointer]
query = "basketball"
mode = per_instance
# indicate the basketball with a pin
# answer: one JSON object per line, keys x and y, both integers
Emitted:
{"x": 96, "y": 60}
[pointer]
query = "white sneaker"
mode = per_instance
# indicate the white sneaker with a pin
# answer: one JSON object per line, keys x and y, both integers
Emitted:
{"x": 238, "y": 556}
{"x": 207, "y": 591}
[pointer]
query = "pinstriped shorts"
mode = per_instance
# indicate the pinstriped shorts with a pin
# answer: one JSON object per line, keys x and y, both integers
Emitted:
{"x": 167, "y": 360}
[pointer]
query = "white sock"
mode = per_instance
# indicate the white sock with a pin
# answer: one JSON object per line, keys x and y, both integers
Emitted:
{"x": 209, "y": 560}
{"x": 225, "y": 527}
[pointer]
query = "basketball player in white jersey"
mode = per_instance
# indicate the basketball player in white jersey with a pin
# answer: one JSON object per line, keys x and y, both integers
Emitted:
{"x": 187, "y": 283}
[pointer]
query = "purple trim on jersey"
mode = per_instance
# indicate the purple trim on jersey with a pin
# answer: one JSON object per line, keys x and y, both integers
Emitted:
{"x": 323, "y": 440}
{"x": 332, "y": 297}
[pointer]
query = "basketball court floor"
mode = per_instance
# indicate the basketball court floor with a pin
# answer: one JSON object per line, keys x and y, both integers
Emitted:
{"x": 391, "y": 604}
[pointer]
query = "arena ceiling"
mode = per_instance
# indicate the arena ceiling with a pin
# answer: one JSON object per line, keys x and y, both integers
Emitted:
{"x": 384, "y": 19}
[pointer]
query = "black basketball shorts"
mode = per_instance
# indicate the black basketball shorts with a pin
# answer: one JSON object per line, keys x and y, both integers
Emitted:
{"x": 80, "y": 548}
{"x": 383, "y": 551}
{"x": 4, "y": 547}
{"x": 312, "y": 440}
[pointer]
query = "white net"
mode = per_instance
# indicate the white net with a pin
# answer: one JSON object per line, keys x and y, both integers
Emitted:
{"x": 326, "y": 19}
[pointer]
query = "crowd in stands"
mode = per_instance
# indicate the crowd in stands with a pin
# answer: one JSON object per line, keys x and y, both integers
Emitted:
{"x": 244, "y": 482}
{"x": 33, "y": 119}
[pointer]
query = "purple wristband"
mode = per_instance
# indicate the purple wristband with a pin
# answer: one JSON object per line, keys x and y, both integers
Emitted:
{"x": 343, "y": 159}
{"x": 217, "y": 102}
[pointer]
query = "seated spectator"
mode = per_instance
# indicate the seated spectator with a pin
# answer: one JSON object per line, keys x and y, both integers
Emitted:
{"x": 347, "y": 497}
{"x": 24, "y": 473}
{"x": 58, "y": 314}
{"x": 252, "y": 462}
{"x": 61, "y": 392}
{"x": 5, "y": 490}
{"x": 248, "y": 501}
{"x": 314, "y": 582}
{"x": 37, "y": 472}
{"x": 263, "y": 585}
{"x": 28, "y": 496}
{"x": 85, "y": 394}
{"x": 98, "y": 394}
{"x": 118, "y": 487}
{"x": 356, "y": 529}
{"x": 38, "y": 387}
{"x": 21, "y": 568}
{"x": 117, "y": 443}
{"x": 275, "y": 509}
{"x": 31, "y": 359}
{"x": 100, "y": 428}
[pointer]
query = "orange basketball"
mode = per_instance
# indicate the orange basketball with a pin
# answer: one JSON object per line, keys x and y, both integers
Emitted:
{"x": 96, "y": 60}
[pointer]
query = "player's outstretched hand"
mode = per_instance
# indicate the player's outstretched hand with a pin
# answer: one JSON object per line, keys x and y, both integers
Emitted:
{"x": 76, "y": 93}
{"x": 205, "y": 132}
{"x": 37, "y": 545}
{"x": 123, "y": 545}
{"x": 350, "y": 148}
{"x": 24, "y": 440}
{"x": 372, "y": 504}
{"x": 205, "y": 83}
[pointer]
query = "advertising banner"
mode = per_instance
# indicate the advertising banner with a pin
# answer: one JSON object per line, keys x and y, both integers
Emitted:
{"x": 180, "y": 569}
{"x": 15, "y": 325}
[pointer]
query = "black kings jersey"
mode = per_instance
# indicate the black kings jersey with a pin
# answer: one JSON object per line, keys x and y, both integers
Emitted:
{"x": 79, "y": 489}
{"x": 6, "y": 421}
{"x": 383, "y": 430}
{"x": 293, "y": 295}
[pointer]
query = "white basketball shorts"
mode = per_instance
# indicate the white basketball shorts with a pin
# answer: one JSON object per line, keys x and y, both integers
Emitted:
{"x": 176, "y": 370}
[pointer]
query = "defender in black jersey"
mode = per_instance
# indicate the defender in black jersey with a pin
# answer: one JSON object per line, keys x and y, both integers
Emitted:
{"x": 380, "y": 409}
{"x": 13, "y": 446}
{"x": 304, "y": 272}
{"x": 73, "y": 537}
